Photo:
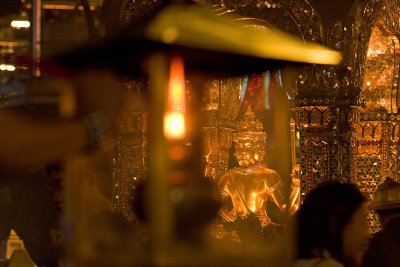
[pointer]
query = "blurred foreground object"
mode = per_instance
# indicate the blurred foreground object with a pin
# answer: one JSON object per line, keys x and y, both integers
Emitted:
{"x": 13, "y": 243}
{"x": 16, "y": 252}
{"x": 8, "y": 7}
{"x": 210, "y": 43}
{"x": 91, "y": 114}
{"x": 21, "y": 258}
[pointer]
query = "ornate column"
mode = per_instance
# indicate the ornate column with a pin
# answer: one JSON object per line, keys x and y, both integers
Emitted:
{"x": 314, "y": 125}
{"x": 326, "y": 95}
{"x": 220, "y": 105}
{"x": 323, "y": 121}
{"x": 130, "y": 162}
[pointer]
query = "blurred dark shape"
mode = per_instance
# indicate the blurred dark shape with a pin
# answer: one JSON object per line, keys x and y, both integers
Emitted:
{"x": 26, "y": 206}
{"x": 53, "y": 167}
{"x": 197, "y": 208}
{"x": 110, "y": 12}
{"x": 8, "y": 7}
{"x": 109, "y": 240}
{"x": 331, "y": 226}
{"x": 384, "y": 248}
{"x": 54, "y": 171}
{"x": 194, "y": 206}
{"x": 92, "y": 32}
{"x": 138, "y": 201}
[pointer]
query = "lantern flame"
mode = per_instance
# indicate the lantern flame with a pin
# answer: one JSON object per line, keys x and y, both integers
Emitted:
{"x": 174, "y": 117}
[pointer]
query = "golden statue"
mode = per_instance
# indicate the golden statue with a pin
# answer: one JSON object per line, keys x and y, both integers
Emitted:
{"x": 250, "y": 186}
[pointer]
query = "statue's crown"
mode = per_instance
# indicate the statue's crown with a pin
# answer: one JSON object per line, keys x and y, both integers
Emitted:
{"x": 249, "y": 127}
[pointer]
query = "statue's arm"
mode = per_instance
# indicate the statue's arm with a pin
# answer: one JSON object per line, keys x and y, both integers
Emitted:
{"x": 227, "y": 214}
{"x": 278, "y": 197}
{"x": 294, "y": 196}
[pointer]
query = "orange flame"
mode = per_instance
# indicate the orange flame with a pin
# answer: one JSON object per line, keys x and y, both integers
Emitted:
{"x": 174, "y": 117}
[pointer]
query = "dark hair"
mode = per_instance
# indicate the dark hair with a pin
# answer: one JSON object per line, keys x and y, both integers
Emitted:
{"x": 321, "y": 219}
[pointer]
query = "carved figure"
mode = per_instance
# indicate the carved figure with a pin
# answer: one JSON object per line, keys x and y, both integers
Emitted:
{"x": 250, "y": 186}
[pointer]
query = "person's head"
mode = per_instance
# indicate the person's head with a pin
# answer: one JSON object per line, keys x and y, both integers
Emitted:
{"x": 386, "y": 200}
{"x": 333, "y": 219}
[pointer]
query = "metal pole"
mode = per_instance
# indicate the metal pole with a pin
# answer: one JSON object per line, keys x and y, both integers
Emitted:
{"x": 293, "y": 143}
{"x": 36, "y": 36}
{"x": 158, "y": 202}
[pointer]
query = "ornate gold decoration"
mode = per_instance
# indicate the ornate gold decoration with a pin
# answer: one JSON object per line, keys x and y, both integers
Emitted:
{"x": 249, "y": 127}
{"x": 380, "y": 83}
{"x": 217, "y": 141}
{"x": 134, "y": 9}
{"x": 392, "y": 10}
{"x": 375, "y": 125}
